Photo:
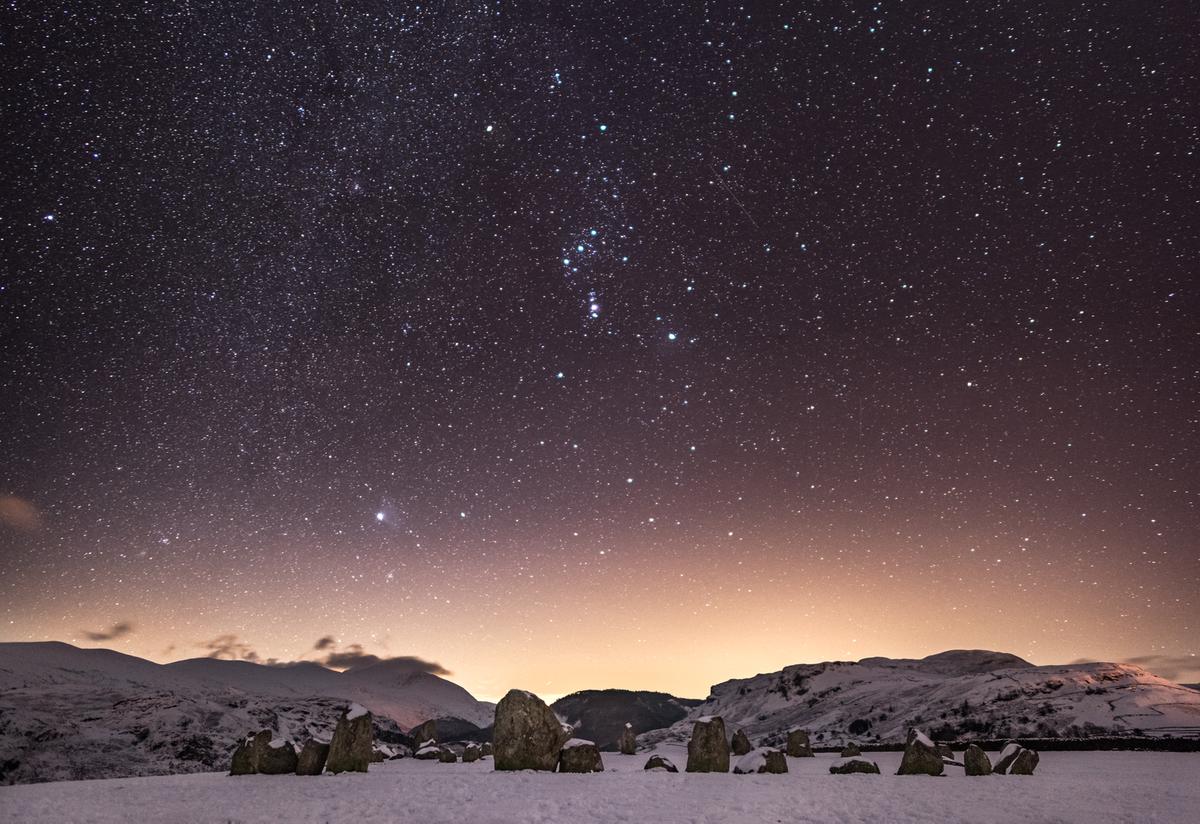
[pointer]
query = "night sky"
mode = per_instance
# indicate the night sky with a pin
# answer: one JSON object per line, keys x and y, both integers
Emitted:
{"x": 578, "y": 345}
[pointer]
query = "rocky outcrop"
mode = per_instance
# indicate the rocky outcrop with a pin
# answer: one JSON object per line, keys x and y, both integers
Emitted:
{"x": 851, "y": 750}
{"x": 580, "y": 756}
{"x": 848, "y": 766}
{"x": 526, "y": 735}
{"x": 762, "y": 760}
{"x": 658, "y": 762}
{"x": 627, "y": 743}
{"x": 279, "y": 758}
{"x": 471, "y": 753}
{"x": 976, "y": 761}
{"x": 708, "y": 749}
{"x": 920, "y": 756}
{"x": 425, "y": 731}
{"x": 248, "y": 755}
{"x": 798, "y": 745}
{"x": 740, "y": 743}
{"x": 311, "y": 760}
{"x": 352, "y": 745}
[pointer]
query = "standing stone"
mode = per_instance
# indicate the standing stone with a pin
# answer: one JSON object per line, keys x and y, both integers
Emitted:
{"x": 248, "y": 755}
{"x": 798, "y": 745}
{"x": 428, "y": 751}
{"x": 352, "y": 744}
{"x": 762, "y": 760}
{"x": 1025, "y": 763}
{"x": 580, "y": 756}
{"x": 976, "y": 762}
{"x": 470, "y": 753}
{"x": 1007, "y": 756}
{"x": 526, "y": 735}
{"x": 485, "y": 749}
{"x": 848, "y": 766}
{"x": 312, "y": 758}
{"x": 920, "y": 756}
{"x": 447, "y": 755}
{"x": 424, "y": 732}
{"x": 708, "y": 749}
{"x": 279, "y": 758}
{"x": 741, "y": 743}
{"x": 658, "y": 762}
{"x": 851, "y": 750}
{"x": 627, "y": 743}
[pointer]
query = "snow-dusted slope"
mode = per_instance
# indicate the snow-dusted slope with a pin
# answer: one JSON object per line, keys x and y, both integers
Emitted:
{"x": 67, "y": 712}
{"x": 957, "y": 694}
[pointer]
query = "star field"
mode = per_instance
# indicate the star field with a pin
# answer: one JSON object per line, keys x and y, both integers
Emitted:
{"x": 583, "y": 345}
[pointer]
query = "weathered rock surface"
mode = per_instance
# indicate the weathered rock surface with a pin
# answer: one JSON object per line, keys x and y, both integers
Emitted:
{"x": 848, "y": 766}
{"x": 526, "y": 735}
{"x": 762, "y": 760}
{"x": 485, "y": 749}
{"x": 580, "y": 756}
{"x": 447, "y": 755}
{"x": 471, "y": 753}
{"x": 1025, "y": 763}
{"x": 798, "y": 745}
{"x": 353, "y": 742}
{"x": 1006, "y": 762}
{"x": 741, "y": 743}
{"x": 428, "y": 752}
{"x": 658, "y": 762}
{"x": 425, "y": 731}
{"x": 920, "y": 756}
{"x": 311, "y": 760}
{"x": 976, "y": 761}
{"x": 708, "y": 749}
{"x": 627, "y": 743}
{"x": 248, "y": 755}
{"x": 851, "y": 750}
{"x": 279, "y": 758}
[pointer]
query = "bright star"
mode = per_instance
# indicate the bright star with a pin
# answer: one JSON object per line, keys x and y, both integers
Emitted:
{"x": 670, "y": 336}
{"x": 379, "y": 516}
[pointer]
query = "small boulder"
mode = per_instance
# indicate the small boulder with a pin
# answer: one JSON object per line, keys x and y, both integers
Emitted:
{"x": 352, "y": 745}
{"x": 741, "y": 743}
{"x": 447, "y": 755}
{"x": 428, "y": 751}
{"x": 279, "y": 758}
{"x": 920, "y": 756}
{"x": 248, "y": 755}
{"x": 580, "y": 756}
{"x": 311, "y": 760}
{"x": 762, "y": 760}
{"x": 627, "y": 743}
{"x": 485, "y": 749}
{"x": 848, "y": 766}
{"x": 976, "y": 762}
{"x": 798, "y": 745}
{"x": 471, "y": 753}
{"x": 526, "y": 735}
{"x": 426, "y": 731}
{"x": 708, "y": 748}
{"x": 851, "y": 750}
{"x": 658, "y": 762}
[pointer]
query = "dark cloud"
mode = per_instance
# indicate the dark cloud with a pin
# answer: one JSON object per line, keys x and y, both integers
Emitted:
{"x": 353, "y": 655}
{"x": 231, "y": 647}
{"x": 1172, "y": 667}
{"x": 324, "y": 642}
{"x": 117, "y": 630}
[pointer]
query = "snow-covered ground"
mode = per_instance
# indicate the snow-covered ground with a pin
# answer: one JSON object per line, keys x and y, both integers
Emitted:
{"x": 1068, "y": 787}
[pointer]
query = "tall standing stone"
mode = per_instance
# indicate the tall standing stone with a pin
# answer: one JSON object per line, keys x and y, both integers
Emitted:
{"x": 920, "y": 756}
{"x": 741, "y": 743}
{"x": 424, "y": 732}
{"x": 526, "y": 735}
{"x": 708, "y": 749}
{"x": 627, "y": 743}
{"x": 976, "y": 762}
{"x": 1025, "y": 762}
{"x": 798, "y": 745}
{"x": 353, "y": 742}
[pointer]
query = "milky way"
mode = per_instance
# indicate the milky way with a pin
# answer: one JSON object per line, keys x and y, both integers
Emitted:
{"x": 586, "y": 345}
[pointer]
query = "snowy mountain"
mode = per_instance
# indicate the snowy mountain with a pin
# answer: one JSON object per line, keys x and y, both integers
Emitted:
{"x": 67, "y": 712}
{"x": 956, "y": 694}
